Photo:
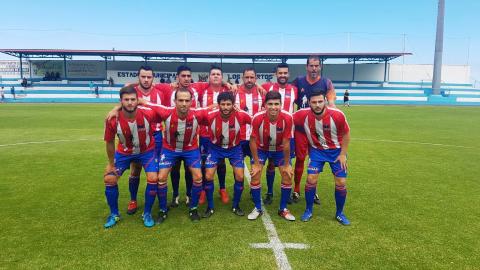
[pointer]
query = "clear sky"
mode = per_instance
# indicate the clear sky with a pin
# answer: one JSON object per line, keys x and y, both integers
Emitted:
{"x": 247, "y": 26}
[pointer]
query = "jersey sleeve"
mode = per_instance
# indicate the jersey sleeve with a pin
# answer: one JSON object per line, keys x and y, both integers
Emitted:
{"x": 202, "y": 115}
{"x": 161, "y": 112}
{"x": 288, "y": 130}
{"x": 245, "y": 118}
{"x": 255, "y": 127}
{"x": 165, "y": 91}
{"x": 110, "y": 131}
{"x": 201, "y": 87}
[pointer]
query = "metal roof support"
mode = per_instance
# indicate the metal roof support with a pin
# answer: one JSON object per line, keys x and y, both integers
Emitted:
{"x": 21, "y": 66}
{"x": 65, "y": 67}
{"x": 353, "y": 69}
{"x": 106, "y": 67}
{"x": 321, "y": 67}
{"x": 385, "y": 71}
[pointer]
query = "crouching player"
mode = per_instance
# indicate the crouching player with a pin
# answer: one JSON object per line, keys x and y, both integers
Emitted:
{"x": 271, "y": 133}
{"x": 328, "y": 135}
{"x": 224, "y": 126}
{"x": 136, "y": 144}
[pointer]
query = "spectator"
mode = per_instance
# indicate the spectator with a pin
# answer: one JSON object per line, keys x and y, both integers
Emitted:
{"x": 57, "y": 76}
{"x": 110, "y": 81}
{"x": 2, "y": 93}
{"x": 12, "y": 91}
{"x": 346, "y": 99}
{"x": 91, "y": 85}
{"x": 96, "y": 91}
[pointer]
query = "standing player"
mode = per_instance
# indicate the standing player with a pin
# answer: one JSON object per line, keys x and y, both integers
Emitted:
{"x": 289, "y": 95}
{"x": 271, "y": 133}
{"x": 250, "y": 100}
{"x": 184, "y": 79}
{"x": 208, "y": 93}
{"x": 136, "y": 144}
{"x": 180, "y": 141}
{"x": 328, "y": 136}
{"x": 224, "y": 142}
{"x": 146, "y": 91}
{"x": 305, "y": 85}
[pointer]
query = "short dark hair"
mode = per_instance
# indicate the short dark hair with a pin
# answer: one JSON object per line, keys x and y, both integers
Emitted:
{"x": 183, "y": 68}
{"x": 282, "y": 65}
{"x": 127, "y": 90}
{"x": 316, "y": 92}
{"x": 225, "y": 96}
{"x": 273, "y": 95}
{"x": 249, "y": 69}
{"x": 183, "y": 89}
{"x": 313, "y": 57}
{"x": 146, "y": 68}
{"x": 215, "y": 67}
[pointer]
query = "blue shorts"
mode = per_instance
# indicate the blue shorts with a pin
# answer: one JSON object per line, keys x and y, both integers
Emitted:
{"x": 204, "y": 144}
{"x": 147, "y": 159}
{"x": 246, "y": 149}
{"x": 168, "y": 158}
{"x": 217, "y": 154}
{"x": 318, "y": 159}
{"x": 276, "y": 156}
{"x": 158, "y": 143}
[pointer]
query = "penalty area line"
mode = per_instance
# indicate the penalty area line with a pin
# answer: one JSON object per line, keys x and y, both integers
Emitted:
{"x": 42, "y": 142}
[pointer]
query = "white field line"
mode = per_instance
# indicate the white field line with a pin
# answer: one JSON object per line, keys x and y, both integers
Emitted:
{"x": 274, "y": 241}
{"x": 42, "y": 142}
{"x": 413, "y": 142}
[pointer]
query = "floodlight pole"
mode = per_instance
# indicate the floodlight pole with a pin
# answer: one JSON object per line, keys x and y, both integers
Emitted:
{"x": 437, "y": 61}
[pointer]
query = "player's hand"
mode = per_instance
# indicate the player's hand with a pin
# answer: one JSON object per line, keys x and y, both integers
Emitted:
{"x": 111, "y": 169}
{"x": 256, "y": 169}
{"x": 260, "y": 89}
{"x": 342, "y": 158}
{"x": 113, "y": 113}
{"x": 288, "y": 170}
{"x": 232, "y": 87}
{"x": 174, "y": 85}
{"x": 142, "y": 101}
{"x": 236, "y": 108}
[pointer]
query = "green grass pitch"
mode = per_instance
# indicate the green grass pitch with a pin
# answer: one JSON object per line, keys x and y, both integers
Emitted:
{"x": 412, "y": 205}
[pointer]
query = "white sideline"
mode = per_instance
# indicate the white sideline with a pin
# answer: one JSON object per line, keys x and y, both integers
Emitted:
{"x": 55, "y": 141}
{"x": 274, "y": 241}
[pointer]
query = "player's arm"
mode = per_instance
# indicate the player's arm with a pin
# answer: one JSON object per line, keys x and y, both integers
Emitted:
{"x": 331, "y": 95}
{"x": 256, "y": 166}
{"x": 114, "y": 112}
{"x": 110, "y": 149}
{"x": 342, "y": 157}
{"x": 286, "y": 156}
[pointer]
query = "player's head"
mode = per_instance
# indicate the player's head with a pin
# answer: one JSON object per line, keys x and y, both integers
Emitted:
{"x": 317, "y": 101}
{"x": 225, "y": 102}
{"x": 215, "y": 76}
{"x": 128, "y": 98}
{"x": 282, "y": 73}
{"x": 249, "y": 77}
{"x": 184, "y": 76}
{"x": 145, "y": 77}
{"x": 313, "y": 67}
{"x": 273, "y": 103}
{"x": 183, "y": 100}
